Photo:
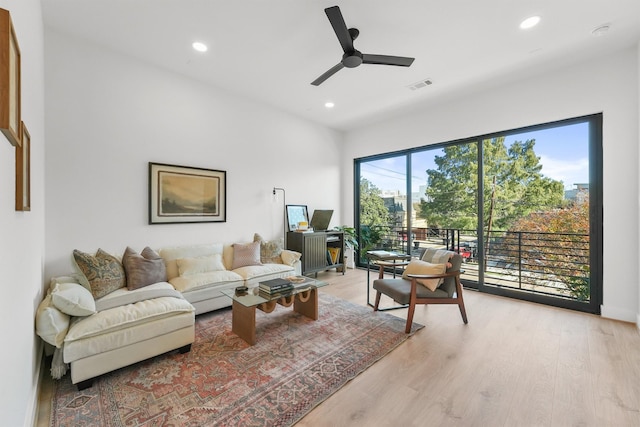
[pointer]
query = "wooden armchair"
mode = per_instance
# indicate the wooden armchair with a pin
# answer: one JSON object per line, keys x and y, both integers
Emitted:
{"x": 409, "y": 290}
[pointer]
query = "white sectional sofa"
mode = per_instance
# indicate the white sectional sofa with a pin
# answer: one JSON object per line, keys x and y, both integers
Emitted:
{"x": 98, "y": 323}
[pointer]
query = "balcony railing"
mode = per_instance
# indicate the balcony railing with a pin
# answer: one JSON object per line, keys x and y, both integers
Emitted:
{"x": 554, "y": 264}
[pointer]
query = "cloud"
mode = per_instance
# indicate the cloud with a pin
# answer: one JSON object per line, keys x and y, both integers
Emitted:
{"x": 570, "y": 172}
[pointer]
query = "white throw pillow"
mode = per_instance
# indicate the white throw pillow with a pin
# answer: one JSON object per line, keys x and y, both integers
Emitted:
{"x": 51, "y": 324}
{"x": 199, "y": 265}
{"x": 73, "y": 299}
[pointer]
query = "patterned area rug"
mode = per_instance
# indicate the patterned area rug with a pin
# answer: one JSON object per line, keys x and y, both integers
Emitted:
{"x": 295, "y": 365}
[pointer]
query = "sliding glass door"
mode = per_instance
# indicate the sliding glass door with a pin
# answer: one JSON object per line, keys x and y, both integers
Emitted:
{"x": 522, "y": 207}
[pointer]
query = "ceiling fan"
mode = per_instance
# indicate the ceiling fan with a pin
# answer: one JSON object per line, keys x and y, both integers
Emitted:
{"x": 352, "y": 57}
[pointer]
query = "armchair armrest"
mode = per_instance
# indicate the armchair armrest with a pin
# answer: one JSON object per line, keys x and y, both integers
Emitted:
{"x": 436, "y": 276}
{"x": 383, "y": 264}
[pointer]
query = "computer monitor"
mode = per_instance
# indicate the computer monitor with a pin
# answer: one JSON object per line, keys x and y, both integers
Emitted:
{"x": 320, "y": 219}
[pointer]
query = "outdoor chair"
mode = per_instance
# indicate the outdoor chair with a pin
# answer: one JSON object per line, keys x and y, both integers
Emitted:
{"x": 435, "y": 279}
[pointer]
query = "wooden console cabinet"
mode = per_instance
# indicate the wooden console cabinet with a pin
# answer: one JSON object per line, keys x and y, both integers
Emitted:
{"x": 313, "y": 247}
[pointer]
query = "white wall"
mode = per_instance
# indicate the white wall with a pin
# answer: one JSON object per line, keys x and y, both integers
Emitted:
{"x": 109, "y": 115}
{"x": 22, "y": 233}
{"x": 608, "y": 85}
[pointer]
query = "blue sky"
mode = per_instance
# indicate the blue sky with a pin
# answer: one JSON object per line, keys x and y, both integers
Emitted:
{"x": 563, "y": 152}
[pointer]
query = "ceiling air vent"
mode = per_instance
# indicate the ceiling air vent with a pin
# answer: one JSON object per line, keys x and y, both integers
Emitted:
{"x": 420, "y": 84}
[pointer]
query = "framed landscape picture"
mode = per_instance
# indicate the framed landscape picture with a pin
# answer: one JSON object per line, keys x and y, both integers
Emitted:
{"x": 9, "y": 80}
{"x": 186, "y": 194}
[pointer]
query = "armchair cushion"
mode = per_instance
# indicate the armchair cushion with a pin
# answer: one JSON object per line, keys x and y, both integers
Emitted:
{"x": 399, "y": 290}
{"x": 424, "y": 267}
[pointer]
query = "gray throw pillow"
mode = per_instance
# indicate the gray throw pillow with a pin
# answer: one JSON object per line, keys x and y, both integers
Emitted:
{"x": 143, "y": 269}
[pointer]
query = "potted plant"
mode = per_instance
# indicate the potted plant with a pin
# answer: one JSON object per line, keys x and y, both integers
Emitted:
{"x": 350, "y": 241}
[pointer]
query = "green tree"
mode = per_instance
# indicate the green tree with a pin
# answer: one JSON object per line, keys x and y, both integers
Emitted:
{"x": 513, "y": 186}
{"x": 374, "y": 216}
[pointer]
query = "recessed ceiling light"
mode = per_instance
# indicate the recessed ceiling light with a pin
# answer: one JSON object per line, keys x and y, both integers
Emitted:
{"x": 200, "y": 47}
{"x": 530, "y": 22}
{"x": 329, "y": 104}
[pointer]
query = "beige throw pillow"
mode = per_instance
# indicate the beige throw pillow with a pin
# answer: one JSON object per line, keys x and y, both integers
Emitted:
{"x": 423, "y": 267}
{"x": 143, "y": 269}
{"x": 103, "y": 271}
{"x": 198, "y": 265}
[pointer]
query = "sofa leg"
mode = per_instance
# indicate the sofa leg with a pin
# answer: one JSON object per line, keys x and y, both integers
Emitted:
{"x": 84, "y": 384}
{"x": 185, "y": 349}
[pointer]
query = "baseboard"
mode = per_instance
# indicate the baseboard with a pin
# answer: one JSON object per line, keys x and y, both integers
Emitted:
{"x": 31, "y": 417}
{"x": 618, "y": 313}
{"x": 638, "y": 322}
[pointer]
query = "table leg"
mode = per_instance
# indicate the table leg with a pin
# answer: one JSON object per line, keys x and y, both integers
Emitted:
{"x": 243, "y": 322}
{"x": 307, "y": 304}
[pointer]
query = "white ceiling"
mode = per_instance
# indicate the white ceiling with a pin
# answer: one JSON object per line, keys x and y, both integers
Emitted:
{"x": 271, "y": 50}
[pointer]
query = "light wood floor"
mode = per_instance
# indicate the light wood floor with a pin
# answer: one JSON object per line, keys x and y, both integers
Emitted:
{"x": 514, "y": 364}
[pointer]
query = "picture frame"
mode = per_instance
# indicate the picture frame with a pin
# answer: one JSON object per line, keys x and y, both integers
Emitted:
{"x": 10, "y": 118}
{"x": 184, "y": 194}
{"x": 295, "y": 214}
{"x": 23, "y": 170}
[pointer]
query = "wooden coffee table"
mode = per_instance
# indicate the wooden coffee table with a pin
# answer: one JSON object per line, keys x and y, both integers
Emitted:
{"x": 304, "y": 298}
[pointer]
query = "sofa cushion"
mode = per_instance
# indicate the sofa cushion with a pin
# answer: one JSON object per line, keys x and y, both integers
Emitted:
{"x": 196, "y": 281}
{"x": 198, "y": 265}
{"x": 170, "y": 255}
{"x": 246, "y": 254}
{"x": 270, "y": 250}
{"x": 103, "y": 271}
{"x": 143, "y": 269}
{"x": 73, "y": 299}
{"x": 51, "y": 323}
{"x": 254, "y": 273}
{"x": 124, "y": 296}
{"x": 126, "y": 316}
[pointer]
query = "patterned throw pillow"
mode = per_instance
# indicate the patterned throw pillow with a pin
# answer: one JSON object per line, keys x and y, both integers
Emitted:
{"x": 103, "y": 271}
{"x": 269, "y": 250}
{"x": 245, "y": 254}
{"x": 143, "y": 269}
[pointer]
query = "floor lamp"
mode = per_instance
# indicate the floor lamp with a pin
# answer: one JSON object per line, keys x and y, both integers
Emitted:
{"x": 284, "y": 214}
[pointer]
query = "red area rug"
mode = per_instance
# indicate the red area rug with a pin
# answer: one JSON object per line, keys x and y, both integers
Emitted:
{"x": 295, "y": 365}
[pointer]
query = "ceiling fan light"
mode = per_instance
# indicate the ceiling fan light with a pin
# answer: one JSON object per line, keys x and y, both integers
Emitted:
{"x": 530, "y": 22}
{"x": 199, "y": 46}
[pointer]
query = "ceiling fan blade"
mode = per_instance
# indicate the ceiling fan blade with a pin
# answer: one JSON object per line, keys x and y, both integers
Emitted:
{"x": 339, "y": 66}
{"x": 340, "y": 28}
{"x": 401, "y": 61}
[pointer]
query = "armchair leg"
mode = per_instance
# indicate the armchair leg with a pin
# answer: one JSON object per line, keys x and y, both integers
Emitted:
{"x": 412, "y": 307}
{"x": 375, "y": 307}
{"x": 463, "y": 312}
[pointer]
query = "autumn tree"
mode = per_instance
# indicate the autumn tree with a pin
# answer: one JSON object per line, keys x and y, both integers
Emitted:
{"x": 556, "y": 242}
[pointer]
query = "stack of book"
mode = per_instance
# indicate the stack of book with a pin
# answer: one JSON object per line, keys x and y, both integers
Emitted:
{"x": 275, "y": 287}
